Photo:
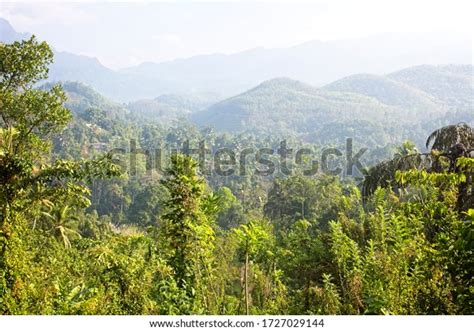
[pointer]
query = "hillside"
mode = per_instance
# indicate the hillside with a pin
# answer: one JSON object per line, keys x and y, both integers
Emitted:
{"x": 388, "y": 91}
{"x": 452, "y": 84}
{"x": 284, "y": 105}
{"x": 81, "y": 98}
{"x": 376, "y": 108}
{"x": 8, "y": 33}
{"x": 168, "y": 108}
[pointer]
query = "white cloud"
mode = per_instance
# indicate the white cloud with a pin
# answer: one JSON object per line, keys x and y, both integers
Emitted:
{"x": 27, "y": 16}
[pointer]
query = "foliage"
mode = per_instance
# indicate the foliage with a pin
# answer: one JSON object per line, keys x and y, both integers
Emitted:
{"x": 82, "y": 234}
{"x": 188, "y": 232}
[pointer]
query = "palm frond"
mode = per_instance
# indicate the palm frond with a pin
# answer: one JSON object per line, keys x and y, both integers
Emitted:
{"x": 383, "y": 174}
{"x": 445, "y": 137}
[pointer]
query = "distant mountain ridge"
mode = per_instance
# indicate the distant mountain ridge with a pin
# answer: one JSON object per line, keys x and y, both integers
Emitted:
{"x": 315, "y": 62}
{"x": 8, "y": 34}
{"x": 409, "y": 102}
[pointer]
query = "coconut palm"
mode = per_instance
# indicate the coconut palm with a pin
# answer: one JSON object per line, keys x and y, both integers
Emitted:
{"x": 383, "y": 174}
{"x": 448, "y": 143}
{"x": 446, "y": 137}
{"x": 61, "y": 222}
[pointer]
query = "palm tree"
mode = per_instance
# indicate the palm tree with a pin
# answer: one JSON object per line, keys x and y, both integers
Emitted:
{"x": 61, "y": 219}
{"x": 446, "y": 137}
{"x": 383, "y": 173}
{"x": 450, "y": 142}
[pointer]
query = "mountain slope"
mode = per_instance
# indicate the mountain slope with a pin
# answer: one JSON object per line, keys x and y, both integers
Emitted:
{"x": 285, "y": 105}
{"x": 380, "y": 107}
{"x": 387, "y": 91}
{"x": 170, "y": 107}
{"x": 8, "y": 34}
{"x": 71, "y": 67}
{"x": 81, "y": 98}
{"x": 452, "y": 84}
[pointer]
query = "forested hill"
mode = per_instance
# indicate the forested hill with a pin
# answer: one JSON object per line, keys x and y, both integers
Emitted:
{"x": 281, "y": 104}
{"x": 421, "y": 96}
{"x": 169, "y": 108}
{"x": 378, "y": 110}
{"x": 388, "y": 91}
{"x": 452, "y": 84}
{"x": 81, "y": 97}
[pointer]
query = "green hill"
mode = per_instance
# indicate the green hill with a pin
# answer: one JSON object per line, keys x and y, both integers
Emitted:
{"x": 81, "y": 97}
{"x": 388, "y": 91}
{"x": 283, "y": 105}
{"x": 374, "y": 109}
{"x": 452, "y": 84}
{"x": 170, "y": 107}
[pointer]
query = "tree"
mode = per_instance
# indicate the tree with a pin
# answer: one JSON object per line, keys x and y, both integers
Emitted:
{"x": 61, "y": 218}
{"x": 297, "y": 197}
{"x": 28, "y": 119}
{"x": 302, "y": 258}
{"x": 254, "y": 239}
{"x": 147, "y": 205}
{"x": 187, "y": 231}
{"x": 231, "y": 213}
{"x": 448, "y": 145}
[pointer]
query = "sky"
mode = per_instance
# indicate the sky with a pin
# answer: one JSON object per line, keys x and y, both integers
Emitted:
{"x": 122, "y": 34}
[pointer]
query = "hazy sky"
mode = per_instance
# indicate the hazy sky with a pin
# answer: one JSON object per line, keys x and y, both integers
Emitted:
{"x": 122, "y": 34}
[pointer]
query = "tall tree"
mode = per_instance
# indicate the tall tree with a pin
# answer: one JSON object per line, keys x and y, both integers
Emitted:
{"x": 28, "y": 119}
{"x": 187, "y": 229}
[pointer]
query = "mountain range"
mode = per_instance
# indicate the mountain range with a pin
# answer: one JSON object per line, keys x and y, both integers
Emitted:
{"x": 238, "y": 93}
{"x": 316, "y": 62}
{"x": 376, "y": 110}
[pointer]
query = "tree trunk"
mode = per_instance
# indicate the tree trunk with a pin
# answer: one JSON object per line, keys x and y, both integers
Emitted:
{"x": 246, "y": 279}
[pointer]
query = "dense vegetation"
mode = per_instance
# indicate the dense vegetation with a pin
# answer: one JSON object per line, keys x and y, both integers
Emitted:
{"x": 82, "y": 234}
